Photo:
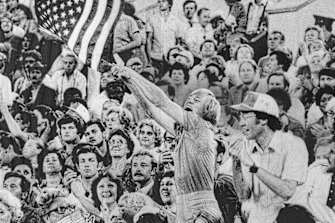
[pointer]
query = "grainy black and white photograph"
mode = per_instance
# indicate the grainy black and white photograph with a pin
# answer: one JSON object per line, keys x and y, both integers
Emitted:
{"x": 167, "y": 111}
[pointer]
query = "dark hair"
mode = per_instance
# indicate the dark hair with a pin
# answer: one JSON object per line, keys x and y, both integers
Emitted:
{"x": 25, "y": 184}
{"x": 282, "y": 36}
{"x": 28, "y": 117}
{"x": 324, "y": 90}
{"x": 124, "y": 135}
{"x": 40, "y": 175}
{"x": 214, "y": 21}
{"x": 95, "y": 122}
{"x": 282, "y": 58}
{"x": 48, "y": 114}
{"x": 147, "y": 75}
{"x": 201, "y": 10}
{"x": 33, "y": 39}
{"x": 279, "y": 74}
{"x": 179, "y": 66}
{"x": 119, "y": 185}
{"x": 211, "y": 77}
{"x": 327, "y": 72}
{"x": 7, "y": 139}
{"x": 209, "y": 41}
{"x": 273, "y": 122}
{"x": 280, "y": 95}
{"x": 329, "y": 63}
{"x": 190, "y": 1}
{"x": 304, "y": 69}
{"x": 170, "y": 3}
{"x": 295, "y": 214}
{"x": 67, "y": 119}
{"x": 26, "y": 10}
{"x": 150, "y": 218}
{"x": 83, "y": 148}
{"x": 32, "y": 53}
{"x": 128, "y": 8}
{"x": 71, "y": 93}
{"x": 20, "y": 160}
{"x": 220, "y": 147}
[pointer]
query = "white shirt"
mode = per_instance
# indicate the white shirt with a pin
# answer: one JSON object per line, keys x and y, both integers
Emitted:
{"x": 196, "y": 35}
{"x": 6, "y": 90}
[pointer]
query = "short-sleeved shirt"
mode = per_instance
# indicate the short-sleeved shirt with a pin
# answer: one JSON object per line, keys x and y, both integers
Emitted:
{"x": 165, "y": 31}
{"x": 195, "y": 156}
{"x": 286, "y": 158}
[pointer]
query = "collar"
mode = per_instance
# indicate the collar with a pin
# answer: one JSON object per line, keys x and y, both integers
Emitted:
{"x": 145, "y": 189}
{"x": 274, "y": 145}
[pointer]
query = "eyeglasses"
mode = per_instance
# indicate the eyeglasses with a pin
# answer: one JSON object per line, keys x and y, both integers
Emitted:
{"x": 118, "y": 142}
{"x": 30, "y": 61}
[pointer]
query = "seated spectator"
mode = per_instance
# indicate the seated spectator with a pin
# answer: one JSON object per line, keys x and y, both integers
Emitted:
{"x": 242, "y": 53}
{"x": 179, "y": 75}
{"x": 200, "y": 32}
{"x": 289, "y": 124}
{"x": 297, "y": 109}
{"x": 248, "y": 76}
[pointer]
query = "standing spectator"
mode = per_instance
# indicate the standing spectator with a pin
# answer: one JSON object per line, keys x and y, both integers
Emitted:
{"x": 126, "y": 36}
{"x": 189, "y": 8}
{"x": 265, "y": 186}
{"x": 325, "y": 24}
{"x": 163, "y": 32}
{"x": 38, "y": 93}
{"x": 200, "y": 32}
{"x": 68, "y": 77}
{"x": 195, "y": 153}
{"x": 237, "y": 17}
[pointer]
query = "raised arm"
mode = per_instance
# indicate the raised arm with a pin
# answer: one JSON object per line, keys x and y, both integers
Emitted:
{"x": 143, "y": 88}
{"x": 11, "y": 123}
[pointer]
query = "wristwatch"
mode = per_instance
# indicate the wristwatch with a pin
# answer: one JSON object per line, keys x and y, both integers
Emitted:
{"x": 253, "y": 169}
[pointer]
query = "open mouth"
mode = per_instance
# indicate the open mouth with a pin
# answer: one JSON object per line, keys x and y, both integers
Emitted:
{"x": 106, "y": 194}
{"x": 166, "y": 193}
{"x": 188, "y": 109}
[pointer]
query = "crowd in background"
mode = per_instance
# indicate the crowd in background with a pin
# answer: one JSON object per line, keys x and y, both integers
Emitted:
{"x": 81, "y": 144}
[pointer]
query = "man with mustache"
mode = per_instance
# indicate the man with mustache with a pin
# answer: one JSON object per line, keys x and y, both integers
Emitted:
{"x": 143, "y": 168}
{"x": 38, "y": 93}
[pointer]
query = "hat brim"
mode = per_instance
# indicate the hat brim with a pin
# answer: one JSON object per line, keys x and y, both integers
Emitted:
{"x": 246, "y": 108}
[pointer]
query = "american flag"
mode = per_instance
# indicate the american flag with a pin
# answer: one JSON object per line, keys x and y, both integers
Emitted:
{"x": 83, "y": 24}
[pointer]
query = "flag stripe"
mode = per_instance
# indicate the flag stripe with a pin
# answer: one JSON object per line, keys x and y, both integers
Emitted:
{"x": 91, "y": 29}
{"x": 81, "y": 22}
{"x": 97, "y": 52}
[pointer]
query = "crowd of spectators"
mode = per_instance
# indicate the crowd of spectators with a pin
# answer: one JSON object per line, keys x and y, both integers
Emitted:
{"x": 204, "y": 118}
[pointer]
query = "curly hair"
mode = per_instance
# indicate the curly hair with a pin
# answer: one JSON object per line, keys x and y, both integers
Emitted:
{"x": 155, "y": 128}
{"x": 120, "y": 189}
{"x": 125, "y": 117}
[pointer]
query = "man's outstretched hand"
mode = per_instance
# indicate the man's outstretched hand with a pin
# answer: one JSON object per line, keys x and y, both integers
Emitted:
{"x": 121, "y": 72}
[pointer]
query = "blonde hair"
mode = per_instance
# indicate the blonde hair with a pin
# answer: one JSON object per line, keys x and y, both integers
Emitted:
{"x": 155, "y": 128}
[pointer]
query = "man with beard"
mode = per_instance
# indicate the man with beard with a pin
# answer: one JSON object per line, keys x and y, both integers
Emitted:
{"x": 194, "y": 156}
{"x": 268, "y": 164}
{"x": 38, "y": 93}
{"x": 95, "y": 135}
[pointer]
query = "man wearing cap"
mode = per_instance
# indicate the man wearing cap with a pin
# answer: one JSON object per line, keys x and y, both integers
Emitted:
{"x": 325, "y": 24}
{"x": 267, "y": 170}
{"x": 38, "y": 93}
{"x": 5, "y": 84}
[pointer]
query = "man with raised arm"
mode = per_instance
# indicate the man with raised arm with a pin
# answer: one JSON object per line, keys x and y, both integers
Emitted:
{"x": 195, "y": 154}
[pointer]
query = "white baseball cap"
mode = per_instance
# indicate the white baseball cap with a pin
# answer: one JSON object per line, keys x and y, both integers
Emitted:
{"x": 258, "y": 102}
